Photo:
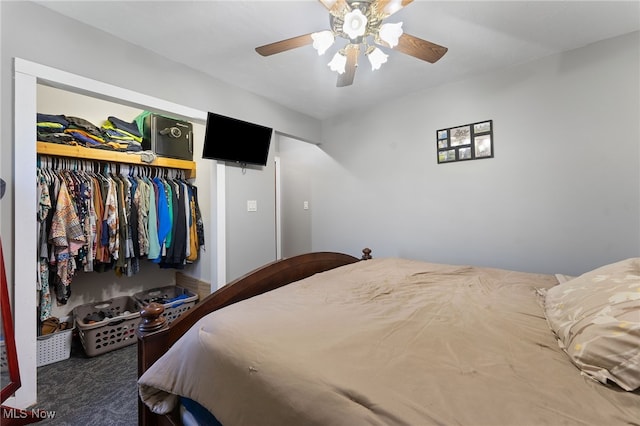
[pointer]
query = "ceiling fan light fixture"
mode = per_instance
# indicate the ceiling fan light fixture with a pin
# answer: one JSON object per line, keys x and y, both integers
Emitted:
{"x": 355, "y": 24}
{"x": 376, "y": 58}
{"x": 360, "y": 24}
{"x": 390, "y": 33}
{"x": 322, "y": 41}
{"x": 338, "y": 63}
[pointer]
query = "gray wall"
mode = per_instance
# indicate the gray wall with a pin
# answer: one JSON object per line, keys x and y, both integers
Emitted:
{"x": 251, "y": 237}
{"x": 296, "y": 182}
{"x": 562, "y": 194}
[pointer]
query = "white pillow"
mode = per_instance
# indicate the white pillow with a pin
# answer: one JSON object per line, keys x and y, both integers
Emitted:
{"x": 596, "y": 318}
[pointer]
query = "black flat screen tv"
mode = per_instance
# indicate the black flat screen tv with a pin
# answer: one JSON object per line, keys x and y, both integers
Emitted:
{"x": 232, "y": 140}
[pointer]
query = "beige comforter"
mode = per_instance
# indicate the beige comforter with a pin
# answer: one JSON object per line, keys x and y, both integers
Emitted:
{"x": 386, "y": 342}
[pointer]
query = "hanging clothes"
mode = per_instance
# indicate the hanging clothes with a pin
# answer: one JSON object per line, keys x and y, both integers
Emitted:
{"x": 44, "y": 212}
{"x": 95, "y": 217}
{"x": 67, "y": 239}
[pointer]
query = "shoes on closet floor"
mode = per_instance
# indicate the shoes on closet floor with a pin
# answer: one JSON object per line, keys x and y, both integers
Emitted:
{"x": 51, "y": 325}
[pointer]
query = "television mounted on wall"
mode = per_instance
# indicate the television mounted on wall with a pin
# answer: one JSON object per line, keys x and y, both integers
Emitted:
{"x": 236, "y": 141}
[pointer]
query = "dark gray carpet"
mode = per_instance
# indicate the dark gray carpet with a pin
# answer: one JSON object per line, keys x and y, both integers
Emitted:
{"x": 99, "y": 391}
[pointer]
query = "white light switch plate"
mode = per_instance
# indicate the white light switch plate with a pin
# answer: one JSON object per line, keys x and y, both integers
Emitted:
{"x": 252, "y": 205}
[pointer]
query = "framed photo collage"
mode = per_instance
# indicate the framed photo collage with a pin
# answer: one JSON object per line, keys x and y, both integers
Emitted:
{"x": 469, "y": 142}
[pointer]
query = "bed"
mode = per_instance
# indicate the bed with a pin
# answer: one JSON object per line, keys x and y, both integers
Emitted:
{"x": 326, "y": 339}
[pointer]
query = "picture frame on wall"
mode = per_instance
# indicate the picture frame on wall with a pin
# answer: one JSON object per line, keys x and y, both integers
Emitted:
{"x": 446, "y": 155}
{"x": 482, "y": 127}
{"x": 467, "y": 142}
{"x": 482, "y": 146}
{"x": 464, "y": 153}
{"x": 460, "y": 136}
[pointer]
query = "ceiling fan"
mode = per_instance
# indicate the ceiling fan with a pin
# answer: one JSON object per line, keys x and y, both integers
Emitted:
{"x": 358, "y": 21}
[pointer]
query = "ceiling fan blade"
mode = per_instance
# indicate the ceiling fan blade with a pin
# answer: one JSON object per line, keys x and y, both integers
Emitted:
{"x": 420, "y": 48}
{"x": 336, "y": 7}
{"x": 327, "y": 3}
{"x": 346, "y": 78}
{"x": 389, "y": 7}
{"x": 284, "y": 45}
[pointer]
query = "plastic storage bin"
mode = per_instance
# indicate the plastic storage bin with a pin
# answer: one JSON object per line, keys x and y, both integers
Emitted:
{"x": 55, "y": 347}
{"x": 116, "y": 330}
{"x": 176, "y": 300}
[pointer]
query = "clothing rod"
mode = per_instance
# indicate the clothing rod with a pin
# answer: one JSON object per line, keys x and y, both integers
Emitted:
{"x": 64, "y": 163}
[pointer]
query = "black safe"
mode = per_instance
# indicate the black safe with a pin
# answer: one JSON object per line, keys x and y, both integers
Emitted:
{"x": 168, "y": 137}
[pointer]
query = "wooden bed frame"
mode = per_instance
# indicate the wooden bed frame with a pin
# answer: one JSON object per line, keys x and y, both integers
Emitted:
{"x": 155, "y": 337}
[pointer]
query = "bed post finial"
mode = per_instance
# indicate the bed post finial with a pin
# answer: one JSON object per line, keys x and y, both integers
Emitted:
{"x": 366, "y": 253}
{"x": 152, "y": 319}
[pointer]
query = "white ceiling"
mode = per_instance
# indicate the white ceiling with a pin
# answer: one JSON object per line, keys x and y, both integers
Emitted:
{"x": 219, "y": 37}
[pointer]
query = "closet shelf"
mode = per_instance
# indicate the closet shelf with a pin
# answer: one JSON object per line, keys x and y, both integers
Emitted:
{"x": 80, "y": 152}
